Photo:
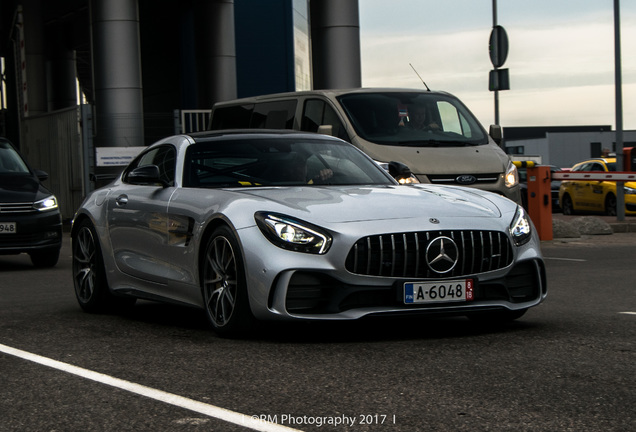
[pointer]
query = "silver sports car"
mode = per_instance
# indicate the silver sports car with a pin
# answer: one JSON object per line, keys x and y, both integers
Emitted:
{"x": 278, "y": 225}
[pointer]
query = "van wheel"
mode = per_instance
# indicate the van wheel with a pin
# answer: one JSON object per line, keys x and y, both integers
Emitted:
{"x": 610, "y": 205}
{"x": 567, "y": 206}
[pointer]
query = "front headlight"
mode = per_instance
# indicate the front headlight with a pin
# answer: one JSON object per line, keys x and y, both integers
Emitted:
{"x": 520, "y": 228}
{"x": 629, "y": 191}
{"x": 408, "y": 180}
{"x": 48, "y": 203}
{"x": 290, "y": 234}
{"x": 511, "y": 178}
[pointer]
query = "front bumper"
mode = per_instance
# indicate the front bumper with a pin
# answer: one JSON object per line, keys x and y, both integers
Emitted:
{"x": 35, "y": 232}
{"x": 315, "y": 295}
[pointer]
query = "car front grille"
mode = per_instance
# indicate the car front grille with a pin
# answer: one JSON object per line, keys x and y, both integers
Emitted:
{"x": 409, "y": 255}
{"x": 452, "y": 179}
{"x": 11, "y": 208}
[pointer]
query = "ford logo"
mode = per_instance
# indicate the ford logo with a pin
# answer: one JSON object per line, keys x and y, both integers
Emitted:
{"x": 466, "y": 179}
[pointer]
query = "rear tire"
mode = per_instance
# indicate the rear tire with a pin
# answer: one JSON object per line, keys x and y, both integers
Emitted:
{"x": 610, "y": 205}
{"x": 89, "y": 275}
{"x": 567, "y": 206}
{"x": 224, "y": 285}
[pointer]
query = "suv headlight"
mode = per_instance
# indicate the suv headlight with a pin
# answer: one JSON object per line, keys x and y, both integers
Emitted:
{"x": 520, "y": 227}
{"x": 48, "y": 203}
{"x": 294, "y": 235}
{"x": 511, "y": 178}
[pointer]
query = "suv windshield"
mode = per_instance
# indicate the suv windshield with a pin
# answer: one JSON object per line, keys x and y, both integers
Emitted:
{"x": 10, "y": 160}
{"x": 412, "y": 119}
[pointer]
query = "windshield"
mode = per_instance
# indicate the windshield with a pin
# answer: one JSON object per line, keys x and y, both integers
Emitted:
{"x": 412, "y": 119}
{"x": 10, "y": 160}
{"x": 279, "y": 162}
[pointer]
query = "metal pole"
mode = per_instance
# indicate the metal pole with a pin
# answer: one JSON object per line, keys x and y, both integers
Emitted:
{"x": 620, "y": 192}
{"x": 494, "y": 24}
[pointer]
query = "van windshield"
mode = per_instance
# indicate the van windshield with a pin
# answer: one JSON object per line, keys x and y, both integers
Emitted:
{"x": 418, "y": 119}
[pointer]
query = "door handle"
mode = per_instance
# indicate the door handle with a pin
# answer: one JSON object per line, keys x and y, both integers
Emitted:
{"x": 121, "y": 200}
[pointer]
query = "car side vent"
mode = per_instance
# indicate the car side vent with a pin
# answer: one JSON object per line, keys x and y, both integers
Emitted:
{"x": 430, "y": 254}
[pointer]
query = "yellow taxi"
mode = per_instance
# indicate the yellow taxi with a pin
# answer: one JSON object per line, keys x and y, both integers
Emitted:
{"x": 592, "y": 196}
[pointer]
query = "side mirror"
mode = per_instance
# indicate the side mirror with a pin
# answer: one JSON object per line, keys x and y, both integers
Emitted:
{"x": 145, "y": 175}
{"x": 41, "y": 175}
{"x": 496, "y": 132}
{"x": 325, "y": 130}
{"x": 399, "y": 171}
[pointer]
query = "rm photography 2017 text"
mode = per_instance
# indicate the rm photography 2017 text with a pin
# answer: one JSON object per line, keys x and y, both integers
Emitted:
{"x": 319, "y": 421}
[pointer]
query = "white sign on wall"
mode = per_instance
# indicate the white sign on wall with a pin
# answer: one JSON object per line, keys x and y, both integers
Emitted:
{"x": 115, "y": 156}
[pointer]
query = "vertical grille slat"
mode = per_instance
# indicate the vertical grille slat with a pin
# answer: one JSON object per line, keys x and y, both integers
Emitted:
{"x": 417, "y": 253}
{"x": 368, "y": 255}
{"x": 392, "y": 255}
{"x": 405, "y": 252}
{"x": 383, "y": 255}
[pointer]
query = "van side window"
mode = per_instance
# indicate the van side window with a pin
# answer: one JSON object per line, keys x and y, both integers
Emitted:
{"x": 232, "y": 117}
{"x": 317, "y": 113}
{"x": 274, "y": 115}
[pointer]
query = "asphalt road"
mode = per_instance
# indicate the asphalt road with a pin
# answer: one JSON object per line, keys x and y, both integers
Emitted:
{"x": 567, "y": 365}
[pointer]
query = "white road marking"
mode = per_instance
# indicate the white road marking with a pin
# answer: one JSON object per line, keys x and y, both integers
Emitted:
{"x": 628, "y": 313}
{"x": 247, "y": 421}
{"x": 564, "y": 259}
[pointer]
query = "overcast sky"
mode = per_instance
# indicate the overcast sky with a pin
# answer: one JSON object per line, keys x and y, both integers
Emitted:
{"x": 561, "y": 56}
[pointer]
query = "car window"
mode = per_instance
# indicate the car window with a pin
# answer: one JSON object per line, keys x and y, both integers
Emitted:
{"x": 163, "y": 157}
{"x": 10, "y": 160}
{"x": 596, "y": 167}
{"x": 232, "y": 117}
{"x": 279, "y": 162}
{"x": 317, "y": 112}
{"x": 274, "y": 115}
{"x": 412, "y": 119}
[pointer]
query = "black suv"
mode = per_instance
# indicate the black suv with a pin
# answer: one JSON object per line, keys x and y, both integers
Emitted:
{"x": 30, "y": 220}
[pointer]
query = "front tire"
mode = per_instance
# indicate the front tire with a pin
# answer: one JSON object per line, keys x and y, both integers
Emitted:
{"x": 224, "y": 285}
{"x": 45, "y": 259}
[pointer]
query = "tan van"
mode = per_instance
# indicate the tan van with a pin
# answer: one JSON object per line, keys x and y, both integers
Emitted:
{"x": 433, "y": 133}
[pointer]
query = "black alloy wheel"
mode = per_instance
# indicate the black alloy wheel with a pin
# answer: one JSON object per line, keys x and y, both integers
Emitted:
{"x": 224, "y": 285}
{"x": 89, "y": 275}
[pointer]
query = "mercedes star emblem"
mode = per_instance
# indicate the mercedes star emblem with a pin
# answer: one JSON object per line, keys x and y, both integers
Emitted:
{"x": 442, "y": 254}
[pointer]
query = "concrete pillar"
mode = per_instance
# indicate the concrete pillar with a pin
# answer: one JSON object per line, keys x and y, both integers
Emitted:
{"x": 117, "y": 73}
{"x": 216, "y": 51}
{"x": 35, "y": 58}
{"x": 335, "y": 34}
{"x": 61, "y": 76}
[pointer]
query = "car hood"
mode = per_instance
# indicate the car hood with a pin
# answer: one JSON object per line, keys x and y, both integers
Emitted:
{"x": 21, "y": 189}
{"x": 452, "y": 160}
{"x": 354, "y": 204}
